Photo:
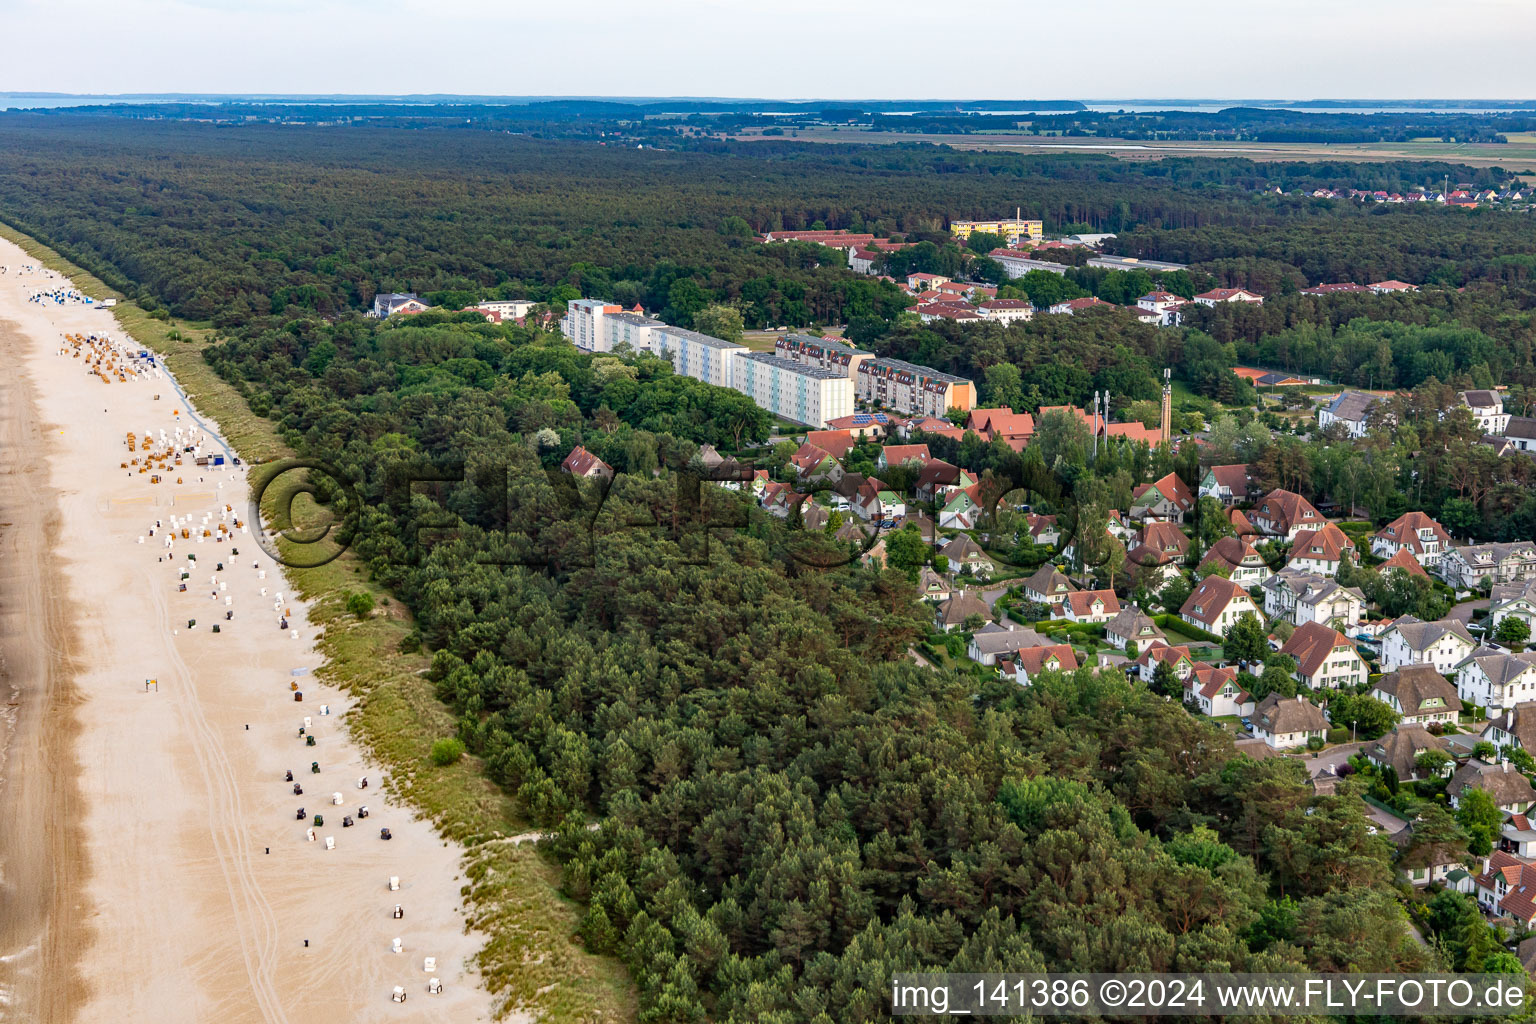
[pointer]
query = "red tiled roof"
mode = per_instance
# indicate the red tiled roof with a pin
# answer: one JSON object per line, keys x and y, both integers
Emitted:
{"x": 1311, "y": 644}
{"x": 1033, "y": 659}
{"x": 1403, "y": 560}
{"x": 1212, "y": 595}
{"x": 896, "y": 454}
{"x": 1327, "y": 544}
{"x": 582, "y": 463}
{"x": 836, "y": 443}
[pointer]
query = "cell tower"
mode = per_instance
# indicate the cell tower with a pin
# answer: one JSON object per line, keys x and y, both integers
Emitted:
{"x": 1167, "y": 405}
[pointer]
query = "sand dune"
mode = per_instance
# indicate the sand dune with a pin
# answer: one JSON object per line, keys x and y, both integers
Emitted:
{"x": 194, "y": 885}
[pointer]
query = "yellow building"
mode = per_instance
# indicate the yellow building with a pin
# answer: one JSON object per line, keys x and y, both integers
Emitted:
{"x": 1012, "y": 231}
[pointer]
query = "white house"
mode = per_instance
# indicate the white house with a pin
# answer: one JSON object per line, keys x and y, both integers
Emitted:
{"x": 1243, "y": 565}
{"x": 1516, "y": 728}
{"x": 1284, "y": 514}
{"x": 1165, "y": 305}
{"x": 1133, "y": 625}
{"x": 1302, "y": 597}
{"x": 1416, "y": 533}
{"x": 1410, "y": 641}
{"x": 1511, "y": 791}
{"x": 1325, "y": 658}
{"x": 1467, "y": 567}
{"x": 1495, "y": 679}
{"x": 1088, "y": 606}
{"x": 1215, "y": 604}
{"x": 1351, "y": 409}
{"x": 1420, "y": 694}
{"x": 1047, "y": 585}
{"x": 1286, "y": 722}
{"x": 1216, "y": 295}
{"x": 387, "y": 304}
{"x": 1487, "y": 409}
{"x": 1217, "y": 691}
{"x": 1513, "y": 600}
{"x": 1028, "y": 663}
{"x": 1321, "y": 550}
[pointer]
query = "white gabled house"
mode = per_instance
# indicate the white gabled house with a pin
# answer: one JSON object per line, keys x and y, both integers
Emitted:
{"x": 1215, "y": 604}
{"x": 1410, "y": 641}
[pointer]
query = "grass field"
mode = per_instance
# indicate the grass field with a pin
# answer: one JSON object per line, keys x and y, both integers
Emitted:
{"x": 1518, "y": 155}
{"x": 530, "y": 961}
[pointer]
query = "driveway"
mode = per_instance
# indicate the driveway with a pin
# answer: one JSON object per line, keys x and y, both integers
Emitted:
{"x": 1464, "y": 610}
{"x": 1329, "y": 758}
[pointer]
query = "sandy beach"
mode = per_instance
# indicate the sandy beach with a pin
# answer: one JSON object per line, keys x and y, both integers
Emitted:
{"x": 152, "y": 862}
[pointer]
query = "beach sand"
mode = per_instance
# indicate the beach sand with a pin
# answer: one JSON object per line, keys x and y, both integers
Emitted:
{"x": 153, "y": 865}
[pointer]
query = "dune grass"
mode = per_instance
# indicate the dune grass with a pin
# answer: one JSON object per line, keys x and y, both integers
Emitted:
{"x": 531, "y": 961}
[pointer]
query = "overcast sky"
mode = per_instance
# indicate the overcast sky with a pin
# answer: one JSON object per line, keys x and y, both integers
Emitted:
{"x": 1003, "y": 49}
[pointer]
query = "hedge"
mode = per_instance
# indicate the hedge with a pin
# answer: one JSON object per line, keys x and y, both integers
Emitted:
{"x": 1168, "y": 620}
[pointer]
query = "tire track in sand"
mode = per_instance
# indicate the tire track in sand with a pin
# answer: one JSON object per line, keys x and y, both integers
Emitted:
{"x": 256, "y": 922}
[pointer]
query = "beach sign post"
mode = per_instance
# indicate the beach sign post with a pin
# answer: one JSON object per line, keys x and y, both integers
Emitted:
{"x": 148, "y": 683}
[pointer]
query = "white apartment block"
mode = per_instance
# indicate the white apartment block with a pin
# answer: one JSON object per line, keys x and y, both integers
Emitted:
{"x": 632, "y": 329}
{"x": 805, "y": 394}
{"x": 699, "y": 356}
{"x": 583, "y": 323}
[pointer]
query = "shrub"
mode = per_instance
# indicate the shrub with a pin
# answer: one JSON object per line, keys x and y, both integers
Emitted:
{"x": 360, "y": 603}
{"x": 1338, "y": 735}
{"x": 447, "y": 751}
{"x": 1315, "y": 743}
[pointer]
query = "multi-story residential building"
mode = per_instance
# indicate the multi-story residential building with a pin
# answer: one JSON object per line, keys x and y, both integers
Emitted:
{"x": 1216, "y": 295}
{"x": 1410, "y": 641}
{"x": 1487, "y": 410}
{"x": 1006, "y": 311}
{"x": 1325, "y": 658}
{"x": 1165, "y": 306}
{"x": 826, "y": 353}
{"x": 633, "y": 329}
{"x": 583, "y": 323}
{"x": 1135, "y": 263}
{"x": 510, "y": 309}
{"x": 1416, "y": 533}
{"x": 1011, "y": 231}
{"x": 1492, "y": 678}
{"x": 1469, "y": 566}
{"x": 912, "y": 390}
{"x": 1015, "y": 264}
{"x": 708, "y": 359}
{"x": 1302, "y": 597}
{"x": 791, "y": 390}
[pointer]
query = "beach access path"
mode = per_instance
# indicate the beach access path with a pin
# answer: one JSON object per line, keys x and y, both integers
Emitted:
{"x": 196, "y": 896}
